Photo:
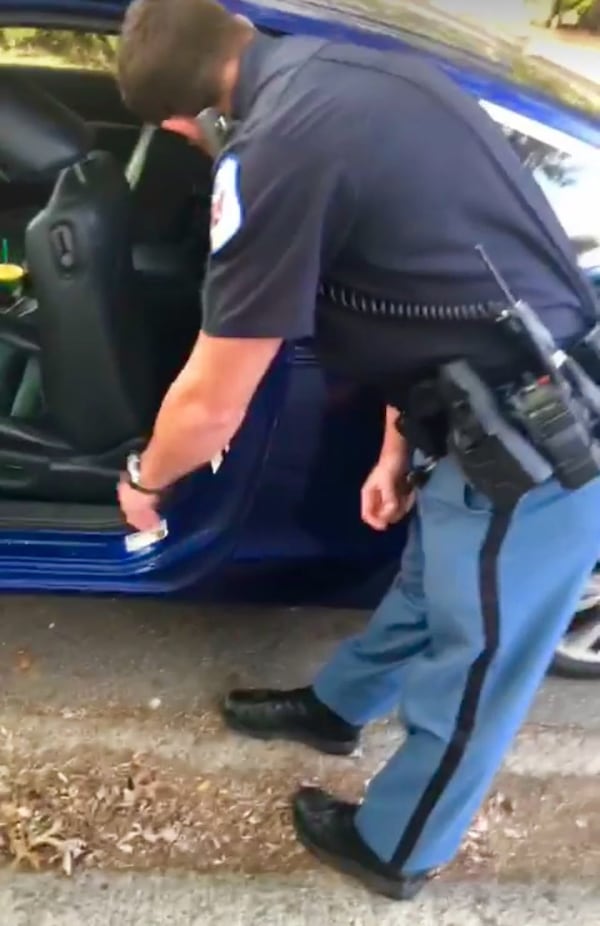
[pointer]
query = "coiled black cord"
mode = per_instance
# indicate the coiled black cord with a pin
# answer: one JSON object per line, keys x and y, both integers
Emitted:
{"x": 388, "y": 308}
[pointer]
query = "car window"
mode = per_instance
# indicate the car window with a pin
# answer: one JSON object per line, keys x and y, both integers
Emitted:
{"x": 57, "y": 48}
{"x": 567, "y": 170}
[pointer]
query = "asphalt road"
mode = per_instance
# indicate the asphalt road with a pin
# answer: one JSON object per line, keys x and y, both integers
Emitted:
{"x": 91, "y": 688}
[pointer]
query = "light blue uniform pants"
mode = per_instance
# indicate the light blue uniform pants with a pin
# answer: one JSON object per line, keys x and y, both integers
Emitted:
{"x": 461, "y": 643}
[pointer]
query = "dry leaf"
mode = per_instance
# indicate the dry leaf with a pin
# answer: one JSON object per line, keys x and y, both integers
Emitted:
{"x": 169, "y": 834}
{"x": 20, "y": 850}
{"x": 23, "y": 660}
{"x": 150, "y": 837}
{"x": 102, "y": 793}
{"x": 72, "y": 850}
{"x": 140, "y": 787}
{"x": 503, "y": 803}
{"x": 49, "y": 837}
{"x": 67, "y": 863}
{"x": 481, "y": 825}
{"x": 9, "y": 813}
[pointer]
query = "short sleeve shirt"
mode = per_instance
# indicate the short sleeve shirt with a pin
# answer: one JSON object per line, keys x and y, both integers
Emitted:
{"x": 374, "y": 171}
{"x": 282, "y": 205}
{"x": 277, "y": 215}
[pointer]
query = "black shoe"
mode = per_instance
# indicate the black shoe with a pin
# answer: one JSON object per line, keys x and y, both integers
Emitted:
{"x": 325, "y": 826}
{"x": 290, "y": 715}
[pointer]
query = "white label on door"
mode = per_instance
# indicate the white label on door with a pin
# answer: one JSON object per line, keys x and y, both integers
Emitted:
{"x": 142, "y": 540}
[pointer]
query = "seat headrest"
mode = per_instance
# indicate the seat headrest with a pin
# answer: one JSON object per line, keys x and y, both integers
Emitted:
{"x": 38, "y": 135}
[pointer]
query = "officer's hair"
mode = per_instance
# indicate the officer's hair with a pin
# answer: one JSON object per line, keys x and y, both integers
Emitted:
{"x": 170, "y": 56}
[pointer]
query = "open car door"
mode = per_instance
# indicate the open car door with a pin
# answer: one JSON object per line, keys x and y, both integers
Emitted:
{"x": 86, "y": 354}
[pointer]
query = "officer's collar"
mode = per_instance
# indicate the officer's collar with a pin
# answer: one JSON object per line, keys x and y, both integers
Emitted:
{"x": 251, "y": 64}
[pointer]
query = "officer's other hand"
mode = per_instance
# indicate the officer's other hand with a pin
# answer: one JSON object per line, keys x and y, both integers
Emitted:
{"x": 385, "y": 498}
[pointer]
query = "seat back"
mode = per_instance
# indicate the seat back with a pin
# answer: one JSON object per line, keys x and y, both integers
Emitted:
{"x": 97, "y": 368}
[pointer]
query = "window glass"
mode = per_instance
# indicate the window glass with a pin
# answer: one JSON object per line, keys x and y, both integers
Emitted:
{"x": 57, "y": 48}
{"x": 464, "y": 33}
{"x": 568, "y": 171}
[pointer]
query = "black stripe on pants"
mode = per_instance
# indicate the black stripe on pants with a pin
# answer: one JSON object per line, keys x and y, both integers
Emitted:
{"x": 467, "y": 715}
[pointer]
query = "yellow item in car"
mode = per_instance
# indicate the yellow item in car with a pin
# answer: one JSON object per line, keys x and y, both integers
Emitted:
{"x": 11, "y": 277}
{"x": 11, "y": 273}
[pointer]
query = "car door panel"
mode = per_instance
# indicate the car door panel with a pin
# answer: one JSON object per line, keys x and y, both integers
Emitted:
{"x": 204, "y": 514}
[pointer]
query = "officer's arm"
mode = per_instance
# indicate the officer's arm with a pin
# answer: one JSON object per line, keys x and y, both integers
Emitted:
{"x": 205, "y": 406}
{"x": 276, "y": 221}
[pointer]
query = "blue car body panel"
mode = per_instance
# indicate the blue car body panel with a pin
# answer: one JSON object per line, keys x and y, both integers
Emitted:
{"x": 289, "y": 490}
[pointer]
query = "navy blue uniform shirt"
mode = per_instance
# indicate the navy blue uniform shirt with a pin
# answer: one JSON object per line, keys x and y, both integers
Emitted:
{"x": 373, "y": 170}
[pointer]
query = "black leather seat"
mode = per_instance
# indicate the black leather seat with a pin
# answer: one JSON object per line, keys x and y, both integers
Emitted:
{"x": 98, "y": 386}
{"x": 20, "y": 375}
{"x": 97, "y": 367}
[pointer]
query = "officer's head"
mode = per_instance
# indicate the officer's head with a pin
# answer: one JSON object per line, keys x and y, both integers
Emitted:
{"x": 178, "y": 57}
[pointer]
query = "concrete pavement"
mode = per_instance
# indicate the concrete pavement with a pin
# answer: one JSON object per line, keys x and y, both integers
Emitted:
{"x": 312, "y": 900}
{"x": 91, "y": 687}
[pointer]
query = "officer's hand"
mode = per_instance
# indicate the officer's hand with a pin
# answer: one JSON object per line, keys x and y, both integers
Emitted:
{"x": 385, "y": 499}
{"x": 139, "y": 510}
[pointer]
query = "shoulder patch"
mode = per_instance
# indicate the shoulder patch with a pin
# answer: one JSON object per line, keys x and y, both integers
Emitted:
{"x": 227, "y": 213}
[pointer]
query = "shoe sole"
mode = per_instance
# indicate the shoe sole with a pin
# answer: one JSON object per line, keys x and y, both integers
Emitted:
{"x": 328, "y": 747}
{"x": 378, "y": 884}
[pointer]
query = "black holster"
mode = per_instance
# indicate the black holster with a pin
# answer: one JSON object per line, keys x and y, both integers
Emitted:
{"x": 494, "y": 455}
{"x": 460, "y": 415}
{"x": 424, "y": 421}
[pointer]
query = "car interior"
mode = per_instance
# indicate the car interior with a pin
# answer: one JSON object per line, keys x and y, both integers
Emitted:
{"x": 110, "y": 221}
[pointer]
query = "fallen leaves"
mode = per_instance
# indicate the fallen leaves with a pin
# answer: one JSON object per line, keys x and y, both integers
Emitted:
{"x": 476, "y": 849}
{"x": 27, "y": 839}
{"x": 33, "y": 831}
{"x": 168, "y": 835}
{"x": 4, "y": 782}
{"x": 134, "y": 815}
{"x": 141, "y": 788}
{"x": 130, "y": 814}
{"x": 122, "y": 811}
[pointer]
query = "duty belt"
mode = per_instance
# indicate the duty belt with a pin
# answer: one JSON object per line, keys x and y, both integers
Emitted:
{"x": 507, "y": 441}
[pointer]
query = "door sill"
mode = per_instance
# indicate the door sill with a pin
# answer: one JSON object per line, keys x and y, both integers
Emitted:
{"x": 59, "y": 516}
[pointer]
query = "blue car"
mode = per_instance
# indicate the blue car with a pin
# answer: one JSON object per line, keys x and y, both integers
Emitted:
{"x": 104, "y": 229}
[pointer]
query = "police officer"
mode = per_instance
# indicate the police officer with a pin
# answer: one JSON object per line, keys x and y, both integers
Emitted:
{"x": 349, "y": 201}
